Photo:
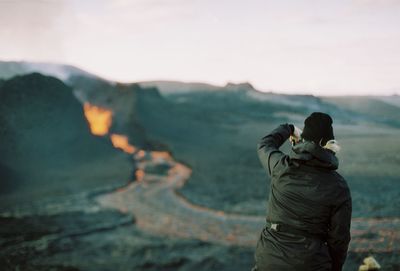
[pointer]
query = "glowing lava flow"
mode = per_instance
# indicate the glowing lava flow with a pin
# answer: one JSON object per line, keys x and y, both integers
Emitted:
{"x": 99, "y": 119}
{"x": 121, "y": 142}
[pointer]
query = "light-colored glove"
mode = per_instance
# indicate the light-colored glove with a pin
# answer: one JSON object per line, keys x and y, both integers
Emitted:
{"x": 296, "y": 135}
{"x": 369, "y": 264}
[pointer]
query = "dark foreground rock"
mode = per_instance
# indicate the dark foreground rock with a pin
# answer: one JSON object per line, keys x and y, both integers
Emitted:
{"x": 105, "y": 241}
{"x": 110, "y": 241}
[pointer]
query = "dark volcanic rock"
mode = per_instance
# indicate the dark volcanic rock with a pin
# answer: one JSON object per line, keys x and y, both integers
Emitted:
{"x": 121, "y": 248}
{"x": 45, "y": 143}
{"x": 71, "y": 224}
{"x": 23, "y": 240}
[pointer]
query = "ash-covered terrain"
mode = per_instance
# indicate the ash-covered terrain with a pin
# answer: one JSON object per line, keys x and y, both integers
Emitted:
{"x": 65, "y": 203}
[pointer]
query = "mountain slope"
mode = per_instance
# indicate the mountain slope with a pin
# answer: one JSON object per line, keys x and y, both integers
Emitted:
{"x": 10, "y": 69}
{"x": 379, "y": 109}
{"x": 46, "y": 146}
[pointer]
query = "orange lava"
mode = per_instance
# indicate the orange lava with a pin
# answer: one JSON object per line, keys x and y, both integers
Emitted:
{"x": 121, "y": 142}
{"x": 139, "y": 174}
{"x": 99, "y": 118}
{"x": 140, "y": 154}
{"x": 161, "y": 155}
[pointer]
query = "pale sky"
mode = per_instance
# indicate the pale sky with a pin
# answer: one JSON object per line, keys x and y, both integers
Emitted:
{"x": 300, "y": 46}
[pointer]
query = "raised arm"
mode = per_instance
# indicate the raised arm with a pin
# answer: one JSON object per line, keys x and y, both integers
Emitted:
{"x": 268, "y": 148}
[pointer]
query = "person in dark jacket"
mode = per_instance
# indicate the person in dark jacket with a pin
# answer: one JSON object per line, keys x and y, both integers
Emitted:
{"x": 309, "y": 205}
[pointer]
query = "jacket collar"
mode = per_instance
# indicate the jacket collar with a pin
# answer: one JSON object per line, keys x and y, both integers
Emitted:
{"x": 314, "y": 155}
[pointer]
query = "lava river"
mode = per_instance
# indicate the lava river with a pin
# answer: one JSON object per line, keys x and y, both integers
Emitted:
{"x": 158, "y": 209}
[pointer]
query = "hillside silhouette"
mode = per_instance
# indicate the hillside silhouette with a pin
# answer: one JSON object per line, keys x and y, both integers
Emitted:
{"x": 46, "y": 142}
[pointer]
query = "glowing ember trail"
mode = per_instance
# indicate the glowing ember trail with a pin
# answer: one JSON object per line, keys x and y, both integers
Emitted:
{"x": 99, "y": 119}
{"x": 121, "y": 142}
{"x": 161, "y": 155}
{"x": 139, "y": 174}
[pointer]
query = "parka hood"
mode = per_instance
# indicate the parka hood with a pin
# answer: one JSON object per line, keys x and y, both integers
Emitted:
{"x": 314, "y": 155}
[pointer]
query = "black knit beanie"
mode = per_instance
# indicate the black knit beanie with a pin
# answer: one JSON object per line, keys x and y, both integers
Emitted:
{"x": 318, "y": 128}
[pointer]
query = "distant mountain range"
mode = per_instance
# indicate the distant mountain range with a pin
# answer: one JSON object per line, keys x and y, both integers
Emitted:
{"x": 64, "y": 72}
{"x": 125, "y": 99}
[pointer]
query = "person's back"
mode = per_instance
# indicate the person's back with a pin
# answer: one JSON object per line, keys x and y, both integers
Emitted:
{"x": 309, "y": 206}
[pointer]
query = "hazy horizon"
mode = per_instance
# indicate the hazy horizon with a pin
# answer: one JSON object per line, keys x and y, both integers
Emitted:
{"x": 291, "y": 47}
{"x": 327, "y": 94}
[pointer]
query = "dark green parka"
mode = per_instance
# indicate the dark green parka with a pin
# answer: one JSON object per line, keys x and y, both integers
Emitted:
{"x": 311, "y": 202}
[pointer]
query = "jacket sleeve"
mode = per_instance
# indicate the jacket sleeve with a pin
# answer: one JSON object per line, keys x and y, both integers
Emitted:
{"x": 268, "y": 148}
{"x": 339, "y": 234}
